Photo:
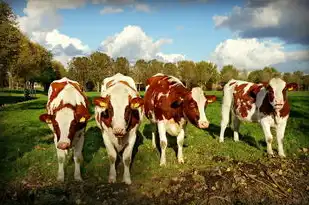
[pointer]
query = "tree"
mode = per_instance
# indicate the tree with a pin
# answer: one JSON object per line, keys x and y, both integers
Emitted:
{"x": 10, "y": 38}
{"x": 255, "y": 76}
{"x": 122, "y": 66}
{"x": 268, "y": 73}
{"x": 79, "y": 70}
{"x": 229, "y": 72}
{"x": 59, "y": 69}
{"x": 170, "y": 69}
{"x": 141, "y": 71}
{"x": 100, "y": 67}
{"x": 187, "y": 71}
{"x": 205, "y": 73}
{"x": 154, "y": 67}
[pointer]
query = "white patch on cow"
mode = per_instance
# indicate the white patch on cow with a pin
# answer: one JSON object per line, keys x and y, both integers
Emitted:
{"x": 158, "y": 74}
{"x": 277, "y": 85}
{"x": 199, "y": 97}
{"x": 64, "y": 117}
{"x": 116, "y": 78}
{"x": 161, "y": 95}
{"x": 176, "y": 80}
{"x": 68, "y": 95}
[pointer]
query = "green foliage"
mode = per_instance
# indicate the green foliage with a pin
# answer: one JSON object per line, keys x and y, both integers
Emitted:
{"x": 170, "y": 69}
{"x": 229, "y": 72}
{"x": 79, "y": 70}
{"x": 122, "y": 66}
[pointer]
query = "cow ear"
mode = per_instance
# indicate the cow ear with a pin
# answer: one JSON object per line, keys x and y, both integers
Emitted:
{"x": 46, "y": 118}
{"x": 291, "y": 86}
{"x": 177, "y": 103}
{"x": 136, "y": 102}
{"x": 81, "y": 114}
{"x": 82, "y": 118}
{"x": 211, "y": 98}
{"x": 101, "y": 102}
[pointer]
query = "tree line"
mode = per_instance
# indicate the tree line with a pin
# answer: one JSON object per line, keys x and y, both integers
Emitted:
{"x": 24, "y": 62}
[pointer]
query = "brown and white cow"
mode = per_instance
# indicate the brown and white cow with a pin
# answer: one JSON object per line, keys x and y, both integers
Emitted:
{"x": 67, "y": 115}
{"x": 118, "y": 113}
{"x": 170, "y": 104}
{"x": 265, "y": 103}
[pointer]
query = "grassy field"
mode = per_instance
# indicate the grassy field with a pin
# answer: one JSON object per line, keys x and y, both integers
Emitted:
{"x": 28, "y": 165}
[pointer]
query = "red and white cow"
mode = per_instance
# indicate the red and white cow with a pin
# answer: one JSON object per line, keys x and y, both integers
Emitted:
{"x": 118, "y": 113}
{"x": 264, "y": 103}
{"x": 67, "y": 115}
{"x": 170, "y": 104}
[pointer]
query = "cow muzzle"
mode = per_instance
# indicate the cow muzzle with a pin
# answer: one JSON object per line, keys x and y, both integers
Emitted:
{"x": 63, "y": 145}
{"x": 278, "y": 106}
{"x": 203, "y": 124}
{"x": 119, "y": 132}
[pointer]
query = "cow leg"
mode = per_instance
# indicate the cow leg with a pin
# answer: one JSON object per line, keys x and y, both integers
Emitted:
{"x": 280, "y": 135}
{"x": 225, "y": 112}
{"x": 78, "y": 157}
{"x": 180, "y": 139}
{"x": 153, "y": 139}
{"x": 127, "y": 157}
{"x": 163, "y": 142}
{"x": 236, "y": 123}
{"x": 268, "y": 136}
{"x": 112, "y": 155}
{"x": 61, "y": 159}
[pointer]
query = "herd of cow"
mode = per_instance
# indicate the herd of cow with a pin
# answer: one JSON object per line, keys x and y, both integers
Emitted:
{"x": 167, "y": 103}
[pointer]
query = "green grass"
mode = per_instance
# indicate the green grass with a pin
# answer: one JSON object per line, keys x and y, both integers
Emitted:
{"x": 28, "y": 155}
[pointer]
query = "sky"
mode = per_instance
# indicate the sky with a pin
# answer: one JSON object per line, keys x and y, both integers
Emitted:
{"x": 250, "y": 34}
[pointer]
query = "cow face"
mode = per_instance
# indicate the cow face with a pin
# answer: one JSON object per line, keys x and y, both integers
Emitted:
{"x": 194, "y": 105}
{"x": 277, "y": 92}
{"x": 65, "y": 123}
{"x": 119, "y": 113}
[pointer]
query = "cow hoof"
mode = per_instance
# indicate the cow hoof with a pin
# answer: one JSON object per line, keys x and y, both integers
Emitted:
{"x": 181, "y": 161}
{"x": 127, "y": 181}
{"x": 78, "y": 179}
{"x": 221, "y": 140}
{"x": 162, "y": 164}
{"x": 236, "y": 140}
{"x": 60, "y": 178}
{"x": 111, "y": 180}
{"x": 271, "y": 155}
{"x": 282, "y": 155}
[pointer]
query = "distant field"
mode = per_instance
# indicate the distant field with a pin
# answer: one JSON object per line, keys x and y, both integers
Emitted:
{"x": 28, "y": 156}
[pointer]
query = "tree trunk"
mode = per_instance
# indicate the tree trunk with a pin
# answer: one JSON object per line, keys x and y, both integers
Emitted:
{"x": 98, "y": 86}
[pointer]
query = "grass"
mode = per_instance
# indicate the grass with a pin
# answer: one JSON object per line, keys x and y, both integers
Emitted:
{"x": 28, "y": 155}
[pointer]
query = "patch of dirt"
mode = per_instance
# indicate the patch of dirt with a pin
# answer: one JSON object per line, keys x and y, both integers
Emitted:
{"x": 276, "y": 181}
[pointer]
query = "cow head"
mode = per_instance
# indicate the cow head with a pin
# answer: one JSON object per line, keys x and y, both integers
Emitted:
{"x": 194, "y": 104}
{"x": 277, "y": 92}
{"x": 65, "y": 123}
{"x": 119, "y": 113}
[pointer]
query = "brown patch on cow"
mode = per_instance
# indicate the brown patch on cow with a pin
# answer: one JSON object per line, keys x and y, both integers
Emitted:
{"x": 232, "y": 83}
{"x": 109, "y": 83}
{"x": 242, "y": 101}
{"x": 56, "y": 88}
{"x": 285, "y": 111}
{"x": 112, "y": 159}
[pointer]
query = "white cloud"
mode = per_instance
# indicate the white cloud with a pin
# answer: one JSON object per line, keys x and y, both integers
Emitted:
{"x": 248, "y": 53}
{"x": 41, "y": 23}
{"x": 142, "y": 7}
{"x": 133, "y": 43}
{"x": 110, "y": 10}
{"x": 173, "y": 58}
{"x": 284, "y": 19}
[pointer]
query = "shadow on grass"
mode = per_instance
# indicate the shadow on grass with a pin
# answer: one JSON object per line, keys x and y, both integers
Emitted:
{"x": 31, "y": 105}
{"x": 13, "y": 99}
{"x": 214, "y": 131}
{"x": 93, "y": 142}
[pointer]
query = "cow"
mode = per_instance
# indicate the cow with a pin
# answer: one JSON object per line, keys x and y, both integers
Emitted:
{"x": 170, "y": 105}
{"x": 264, "y": 103}
{"x": 118, "y": 113}
{"x": 67, "y": 116}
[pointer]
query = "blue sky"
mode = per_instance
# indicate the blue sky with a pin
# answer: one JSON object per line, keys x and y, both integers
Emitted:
{"x": 190, "y": 27}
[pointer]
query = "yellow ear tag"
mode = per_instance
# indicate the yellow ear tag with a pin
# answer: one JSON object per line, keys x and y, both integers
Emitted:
{"x": 210, "y": 101}
{"x": 83, "y": 119}
{"x": 135, "y": 105}
{"x": 291, "y": 88}
{"x": 48, "y": 121}
{"x": 103, "y": 104}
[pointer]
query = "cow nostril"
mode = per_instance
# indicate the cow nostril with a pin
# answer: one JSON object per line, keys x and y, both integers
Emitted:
{"x": 63, "y": 145}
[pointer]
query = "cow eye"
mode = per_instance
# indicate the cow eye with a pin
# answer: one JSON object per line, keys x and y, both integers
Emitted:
{"x": 105, "y": 114}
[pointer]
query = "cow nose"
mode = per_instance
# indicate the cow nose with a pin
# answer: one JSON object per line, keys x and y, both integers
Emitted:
{"x": 118, "y": 132}
{"x": 63, "y": 145}
{"x": 203, "y": 124}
